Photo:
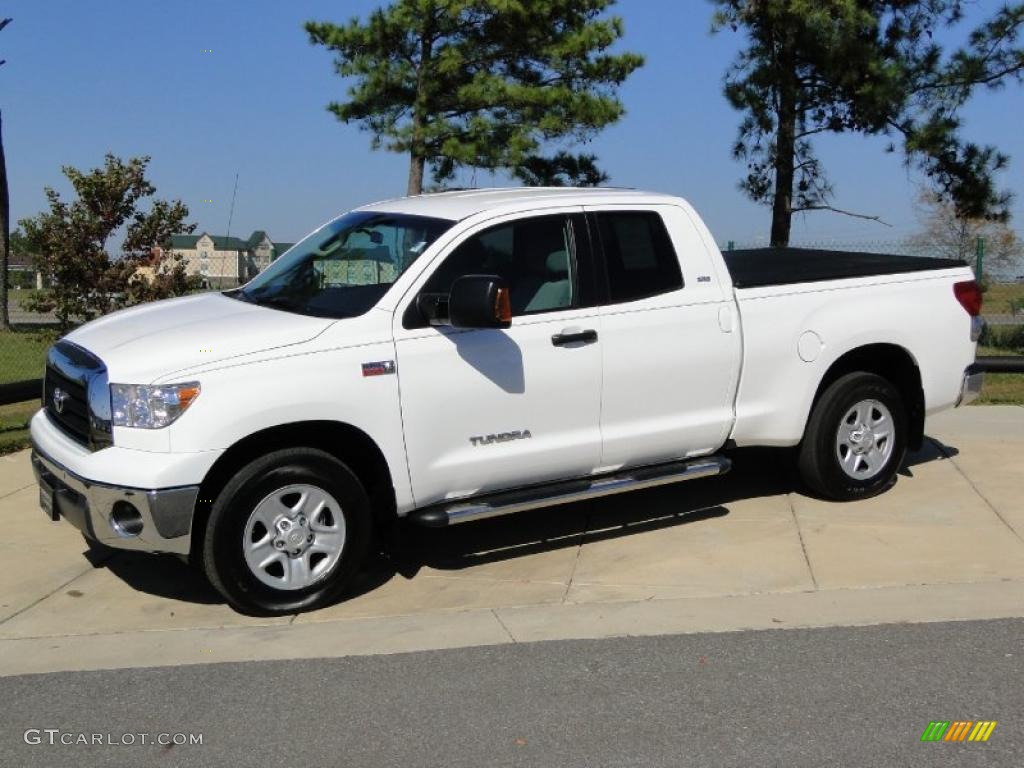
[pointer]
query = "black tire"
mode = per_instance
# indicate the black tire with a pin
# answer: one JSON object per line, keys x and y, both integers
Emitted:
{"x": 222, "y": 555}
{"x": 819, "y": 461}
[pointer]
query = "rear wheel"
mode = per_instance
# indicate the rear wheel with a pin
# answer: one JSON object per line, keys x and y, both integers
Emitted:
{"x": 288, "y": 533}
{"x": 856, "y": 438}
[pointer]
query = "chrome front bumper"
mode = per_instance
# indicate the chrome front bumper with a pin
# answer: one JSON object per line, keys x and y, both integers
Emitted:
{"x": 971, "y": 387}
{"x": 165, "y": 515}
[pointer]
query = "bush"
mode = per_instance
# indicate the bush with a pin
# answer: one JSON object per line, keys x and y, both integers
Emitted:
{"x": 1009, "y": 337}
{"x": 1015, "y": 339}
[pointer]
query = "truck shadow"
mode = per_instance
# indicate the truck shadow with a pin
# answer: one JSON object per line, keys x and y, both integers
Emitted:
{"x": 757, "y": 472}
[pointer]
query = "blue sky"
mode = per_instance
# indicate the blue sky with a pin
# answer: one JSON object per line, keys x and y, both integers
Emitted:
{"x": 132, "y": 77}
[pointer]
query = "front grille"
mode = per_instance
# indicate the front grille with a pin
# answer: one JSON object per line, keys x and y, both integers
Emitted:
{"x": 73, "y": 416}
{"x": 69, "y": 372}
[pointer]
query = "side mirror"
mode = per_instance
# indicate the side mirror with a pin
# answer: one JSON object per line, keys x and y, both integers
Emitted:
{"x": 480, "y": 301}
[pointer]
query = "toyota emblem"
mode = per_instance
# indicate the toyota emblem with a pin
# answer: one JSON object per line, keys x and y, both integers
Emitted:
{"x": 59, "y": 396}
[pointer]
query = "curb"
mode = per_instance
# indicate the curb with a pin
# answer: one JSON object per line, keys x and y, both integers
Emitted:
{"x": 565, "y": 621}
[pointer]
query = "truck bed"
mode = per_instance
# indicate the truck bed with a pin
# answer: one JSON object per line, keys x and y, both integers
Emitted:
{"x": 757, "y": 267}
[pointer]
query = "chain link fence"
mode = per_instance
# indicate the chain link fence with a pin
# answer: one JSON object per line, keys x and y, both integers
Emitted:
{"x": 23, "y": 349}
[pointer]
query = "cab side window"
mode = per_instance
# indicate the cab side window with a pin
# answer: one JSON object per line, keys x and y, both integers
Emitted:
{"x": 536, "y": 256}
{"x": 638, "y": 254}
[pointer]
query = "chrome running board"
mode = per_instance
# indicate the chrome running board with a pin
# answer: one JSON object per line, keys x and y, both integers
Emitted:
{"x": 567, "y": 491}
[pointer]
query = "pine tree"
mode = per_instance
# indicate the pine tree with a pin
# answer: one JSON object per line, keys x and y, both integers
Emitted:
{"x": 479, "y": 83}
{"x": 871, "y": 67}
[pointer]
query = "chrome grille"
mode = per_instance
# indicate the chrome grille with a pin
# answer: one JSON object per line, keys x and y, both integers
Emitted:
{"x": 75, "y": 394}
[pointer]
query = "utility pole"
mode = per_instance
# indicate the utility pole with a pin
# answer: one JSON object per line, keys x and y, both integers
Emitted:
{"x": 5, "y": 224}
{"x": 979, "y": 251}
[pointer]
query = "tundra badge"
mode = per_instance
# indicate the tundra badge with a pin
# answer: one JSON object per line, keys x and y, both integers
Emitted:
{"x": 501, "y": 437}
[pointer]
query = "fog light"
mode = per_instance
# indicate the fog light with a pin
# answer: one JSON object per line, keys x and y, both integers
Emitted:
{"x": 125, "y": 519}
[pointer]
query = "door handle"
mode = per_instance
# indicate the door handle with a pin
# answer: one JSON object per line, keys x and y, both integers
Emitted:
{"x": 572, "y": 337}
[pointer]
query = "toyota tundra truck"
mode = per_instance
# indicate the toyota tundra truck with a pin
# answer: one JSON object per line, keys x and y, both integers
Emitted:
{"x": 451, "y": 357}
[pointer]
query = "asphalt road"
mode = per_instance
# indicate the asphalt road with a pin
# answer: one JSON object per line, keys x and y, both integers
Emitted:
{"x": 848, "y": 696}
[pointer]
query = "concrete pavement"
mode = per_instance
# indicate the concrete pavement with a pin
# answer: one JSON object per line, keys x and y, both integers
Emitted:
{"x": 743, "y": 551}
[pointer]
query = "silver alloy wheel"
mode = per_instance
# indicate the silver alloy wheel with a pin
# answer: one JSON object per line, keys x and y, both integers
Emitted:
{"x": 294, "y": 537}
{"x": 865, "y": 439}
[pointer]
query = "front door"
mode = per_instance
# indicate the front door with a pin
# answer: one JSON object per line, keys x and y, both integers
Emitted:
{"x": 484, "y": 409}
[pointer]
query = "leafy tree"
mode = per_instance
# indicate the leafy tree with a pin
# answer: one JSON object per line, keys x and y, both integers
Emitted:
{"x": 71, "y": 243}
{"x": 872, "y": 67}
{"x": 480, "y": 83}
{"x": 953, "y": 236}
{"x": 5, "y": 220}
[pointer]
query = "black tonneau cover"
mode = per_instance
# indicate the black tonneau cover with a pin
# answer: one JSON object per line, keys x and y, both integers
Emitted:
{"x": 756, "y": 267}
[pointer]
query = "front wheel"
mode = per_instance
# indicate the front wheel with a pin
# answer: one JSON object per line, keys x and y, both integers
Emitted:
{"x": 287, "y": 533}
{"x": 855, "y": 439}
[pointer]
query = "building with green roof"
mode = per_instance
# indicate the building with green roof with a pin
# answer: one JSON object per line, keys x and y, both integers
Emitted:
{"x": 223, "y": 261}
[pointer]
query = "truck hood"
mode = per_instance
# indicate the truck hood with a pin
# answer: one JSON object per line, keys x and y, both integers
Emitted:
{"x": 143, "y": 343}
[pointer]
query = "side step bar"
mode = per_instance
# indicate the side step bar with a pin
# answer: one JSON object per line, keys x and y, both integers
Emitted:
{"x": 567, "y": 491}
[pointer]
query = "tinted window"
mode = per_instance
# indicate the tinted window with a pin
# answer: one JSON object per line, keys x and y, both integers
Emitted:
{"x": 638, "y": 254}
{"x": 536, "y": 256}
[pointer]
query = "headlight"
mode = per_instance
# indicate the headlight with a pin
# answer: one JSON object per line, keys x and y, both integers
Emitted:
{"x": 150, "y": 407}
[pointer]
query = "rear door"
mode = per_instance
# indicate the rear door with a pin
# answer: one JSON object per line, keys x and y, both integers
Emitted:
{"x": 670, "y": 342}
{"x": 488, "y": 409}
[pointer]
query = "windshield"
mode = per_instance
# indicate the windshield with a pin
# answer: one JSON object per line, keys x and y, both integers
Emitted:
{"x": 346, "y": 266}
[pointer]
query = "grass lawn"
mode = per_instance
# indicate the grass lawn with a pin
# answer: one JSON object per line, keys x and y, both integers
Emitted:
{"x": 1000, "y": 389}
{"x": 23, "y": 352}
{"x": 14, "y": 425}
{"x": 998, "y": 297}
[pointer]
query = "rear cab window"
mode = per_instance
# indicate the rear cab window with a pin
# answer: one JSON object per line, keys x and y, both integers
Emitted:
{"x": 639, "y": 259}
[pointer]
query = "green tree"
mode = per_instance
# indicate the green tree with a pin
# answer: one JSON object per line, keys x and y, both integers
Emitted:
{"x": 872, "y": 67}
{"x": 5, "y": 221}
{"x": 561, "y": 170}
{"x": 71, "y": 243}
{"x": 479, "y": 83}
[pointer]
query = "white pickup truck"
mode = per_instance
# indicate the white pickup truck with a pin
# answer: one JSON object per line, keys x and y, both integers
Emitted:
{"x": 456, "y": 356}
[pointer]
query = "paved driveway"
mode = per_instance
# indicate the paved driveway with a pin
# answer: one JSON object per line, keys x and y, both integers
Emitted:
{"x": 746, "y": 550}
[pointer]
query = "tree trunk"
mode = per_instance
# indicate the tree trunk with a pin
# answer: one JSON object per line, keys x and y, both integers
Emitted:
{"x": 785, "y": 158}
{"x": 5, "y": 233}
{"x": 416, "y": 165}
{"x": 417, "y": 152}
